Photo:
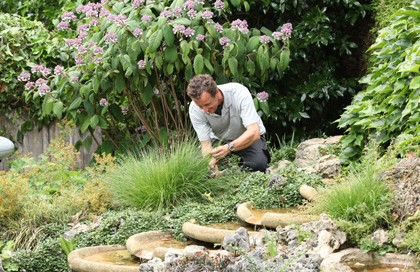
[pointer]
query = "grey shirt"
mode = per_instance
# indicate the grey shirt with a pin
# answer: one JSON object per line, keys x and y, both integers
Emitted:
{"x": 238, "y": 112}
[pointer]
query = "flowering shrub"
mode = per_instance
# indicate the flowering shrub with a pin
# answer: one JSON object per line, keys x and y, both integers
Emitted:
{"x": 134, "y": 59}
{"x": 24, "y": 43}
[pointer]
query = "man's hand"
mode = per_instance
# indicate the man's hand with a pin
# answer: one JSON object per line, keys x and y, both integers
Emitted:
{"x": 220, "y": 152}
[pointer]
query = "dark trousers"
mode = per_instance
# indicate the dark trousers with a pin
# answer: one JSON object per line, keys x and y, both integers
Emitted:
{"x": 255, "y": 157}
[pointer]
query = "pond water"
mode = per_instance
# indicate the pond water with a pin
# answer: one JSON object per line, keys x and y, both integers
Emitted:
{"x": 233, "y": 225}
{"x": 360, "y": 267}
{"x": 114, "y": 257}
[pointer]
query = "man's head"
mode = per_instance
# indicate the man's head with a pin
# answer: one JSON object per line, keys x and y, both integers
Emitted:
{"x": 204, "y": 92}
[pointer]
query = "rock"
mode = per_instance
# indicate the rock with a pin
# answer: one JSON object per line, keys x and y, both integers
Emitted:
{"x": 308, "y": 152}
{"x": 380, "y": 237}
{"x": 308, "y": 192}
{"x": 239, "y": 241}
{"x": 328, "y": 166}
{"x": 404, "y": 179}
{"x": 154, "y": 265}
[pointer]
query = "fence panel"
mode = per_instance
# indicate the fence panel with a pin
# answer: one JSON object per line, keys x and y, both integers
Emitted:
{"x": 37, "y": 141}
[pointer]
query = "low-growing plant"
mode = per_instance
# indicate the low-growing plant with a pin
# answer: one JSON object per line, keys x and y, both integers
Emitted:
{"x": 160, "y": 178}
{"x": 294, "y": 178}
{"x": 285, "y": 151}
{"x": 7, "y": 256}
{"x": 115, "y": 227}
{"x": 48, "y": 256}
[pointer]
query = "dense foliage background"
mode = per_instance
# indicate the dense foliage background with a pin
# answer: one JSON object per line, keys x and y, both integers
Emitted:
{"x": 308, "y": 87}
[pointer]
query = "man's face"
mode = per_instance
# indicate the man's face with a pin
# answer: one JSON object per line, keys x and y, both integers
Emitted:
{"x": 208, "y": 103}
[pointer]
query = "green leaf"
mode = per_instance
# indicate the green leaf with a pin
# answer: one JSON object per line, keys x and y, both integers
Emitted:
{"x": 264, "y": 107}
{"x": 169, "y": 68}
{"x": 171, "y": 54}
{"x": 85, "y": 125}
{"x": 76, "y": 103}
{"x": 94, "y": 120}
{"x": 58, "y": 109}
{"x": 168, "y": 35}
{"x": 415, "y": 83}
{"x": 250, "y": 67}
{"x": 263, "y": 59}
{"x": 155, "y": 40}
{"x": 119, "y": 83}
{"x": 181, "y": 21}
{"x": 235, "y": 3}
{"x": 198, "y": 64}
{"x": 253, "y": 43}
{"x": 284, "y": 59}
{"x": 233, "y": 66}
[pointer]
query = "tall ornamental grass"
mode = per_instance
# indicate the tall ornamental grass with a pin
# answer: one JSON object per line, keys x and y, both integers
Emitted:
{"x": 363, "y": 199}
{"x": 157, "y": 179}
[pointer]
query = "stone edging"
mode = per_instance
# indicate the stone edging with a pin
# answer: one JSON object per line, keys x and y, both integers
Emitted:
{"x": 78, "y": 263}
{"x": 272, "y": 220}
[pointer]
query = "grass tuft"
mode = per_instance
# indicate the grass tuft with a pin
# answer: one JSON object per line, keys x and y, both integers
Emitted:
{"x": 159, "y": 179}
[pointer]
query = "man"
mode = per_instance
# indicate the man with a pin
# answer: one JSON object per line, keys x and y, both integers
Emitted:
{"x": 227, "y": 113}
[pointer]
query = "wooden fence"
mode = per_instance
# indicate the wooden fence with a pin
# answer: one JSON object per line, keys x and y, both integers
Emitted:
{"x": 37, "y": 141}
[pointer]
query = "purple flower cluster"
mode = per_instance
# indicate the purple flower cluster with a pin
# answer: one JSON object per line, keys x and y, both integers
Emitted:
{"x": 110, "y": 37}
{"x": 262, "y": 96}
{"x": 146, "y": 18}
{"x": 285, "y": 32}
{"x": 189, "y": 4}
{"x": 59, "y": 70}
{"x": 138, "y": 32}
{"x": 90, "y": 9}
{"x": 200, "y": 37}
{"x": 178, "y": 29}
{"x": 68, "y": 16}
{"x": 63, "y": 26}
{"x": 166, "y": 13}
{"x": 137, "y": 3}
{"x": 44, "y": 89}
{"x": 192, "y": 13}
{"x": 240, "y": 25}
{"x": 24, "y": 76}
{"x": 219, "y": 4}
{"x": 141, "y": 64}
{"x": 224, "y": 41}
{"x": 218, "y": 27}
{"x": 103, "y": 102}
{"x": 207, "y": 14}
{"x": 264, "y": 39}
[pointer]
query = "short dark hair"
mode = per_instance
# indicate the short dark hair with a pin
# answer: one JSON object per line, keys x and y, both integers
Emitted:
{"x": 200, "y": 84}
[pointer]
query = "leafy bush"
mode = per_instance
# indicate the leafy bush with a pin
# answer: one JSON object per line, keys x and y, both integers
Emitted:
{"x": 388, "y": 109}
{"x": 133, "y": 61}
{"x": 159, "y": 178}
{"x": 45, "y": 11}
{"x": 24, "y": 43}
{"x": 326, "y": 59}
{"x": 384, "y": 9}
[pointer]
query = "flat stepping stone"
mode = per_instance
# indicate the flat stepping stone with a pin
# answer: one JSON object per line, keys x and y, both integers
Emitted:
{"x": 213, "y": 233}
{"x": 272, "y": 218}
{"x": 150, "y": 244}
{"x": 103, "y": 259}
